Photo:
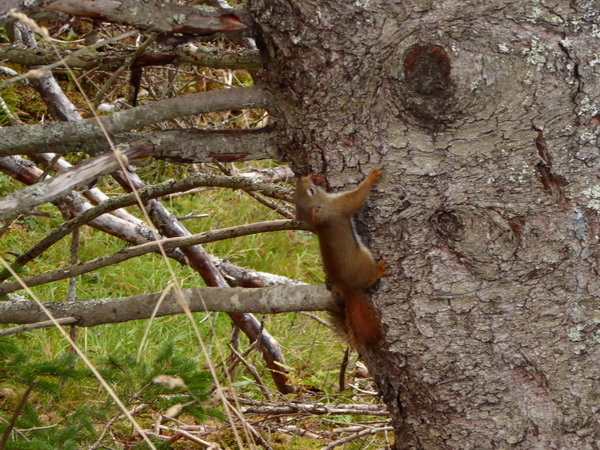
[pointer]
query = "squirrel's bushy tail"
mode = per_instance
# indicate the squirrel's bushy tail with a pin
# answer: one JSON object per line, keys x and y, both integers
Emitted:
{"x": 358, "y": 320}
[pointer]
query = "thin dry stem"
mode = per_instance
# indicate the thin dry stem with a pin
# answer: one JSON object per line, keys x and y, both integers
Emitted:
{"x": 83, "y": 357}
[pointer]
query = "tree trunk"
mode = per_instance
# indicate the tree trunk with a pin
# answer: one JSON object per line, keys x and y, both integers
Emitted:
{"x": 485, "y": 117}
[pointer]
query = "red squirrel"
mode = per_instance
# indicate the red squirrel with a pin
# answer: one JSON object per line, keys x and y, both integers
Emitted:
{"x": 348, "y": 264}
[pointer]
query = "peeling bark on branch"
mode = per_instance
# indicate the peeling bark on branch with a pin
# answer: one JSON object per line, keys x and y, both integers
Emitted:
{"x": 156, "y": 16}
{"x": 147, "y": 15}
{"x": 193, "y": 146}
{"x": 271, "y": 300}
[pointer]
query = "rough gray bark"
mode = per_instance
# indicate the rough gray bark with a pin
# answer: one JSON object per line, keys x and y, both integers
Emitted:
{"x": 485, "y": 116}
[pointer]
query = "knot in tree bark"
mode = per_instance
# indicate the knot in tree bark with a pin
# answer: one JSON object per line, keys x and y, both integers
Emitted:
{"x": 482, "y": 239}
{"x": 423, "y": 85}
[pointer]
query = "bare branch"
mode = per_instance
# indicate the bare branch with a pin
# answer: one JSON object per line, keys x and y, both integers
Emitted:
{"x": 38, "y": 325}
{"x": 271, "y": 300}
{"x": 26, "y": 172}
{"x": 39, "y": 137}
{"x": 195, "y": 146}
{"x": 280, "y": 173}
{"x": 110, "y": 61}
{"x": 147, "y": 15}
{"x": 58, "y": 103}
{"x": 132, "y": 252}
{"x": 364, "y": 432}
{"x": 191, "y": 145}
{"x": 55, "y": 188}
{"x": 244, "y": 277}
{"x": 21, "y": 173}
{"x": 155, "y": 16}
{"x": 94, "y": 195}
{"x": 90, "y": 170}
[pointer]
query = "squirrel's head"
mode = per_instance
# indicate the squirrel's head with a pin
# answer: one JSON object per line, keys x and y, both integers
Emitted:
{"x": 309, "y": 199}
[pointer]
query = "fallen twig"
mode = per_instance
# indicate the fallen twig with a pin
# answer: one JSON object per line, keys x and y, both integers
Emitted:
{"x": 253, "y": 372}
{"x": 38, "y": 325}
{"x": 356, "y": 436}
{"x": 313, "y": 408}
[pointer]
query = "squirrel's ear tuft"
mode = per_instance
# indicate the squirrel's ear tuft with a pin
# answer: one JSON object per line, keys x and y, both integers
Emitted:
{"x": 318, "y": 180}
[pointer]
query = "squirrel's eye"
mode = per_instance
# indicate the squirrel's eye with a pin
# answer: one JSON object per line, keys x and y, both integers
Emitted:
{"x": 311, "y": 191}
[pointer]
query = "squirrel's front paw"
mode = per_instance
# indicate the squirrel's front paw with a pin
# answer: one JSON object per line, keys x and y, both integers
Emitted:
{"x": 376, "y": 174}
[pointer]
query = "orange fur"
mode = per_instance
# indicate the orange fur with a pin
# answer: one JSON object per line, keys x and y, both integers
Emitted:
{"x": 362, "y": 322}
{"x": 348, "y": 264}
